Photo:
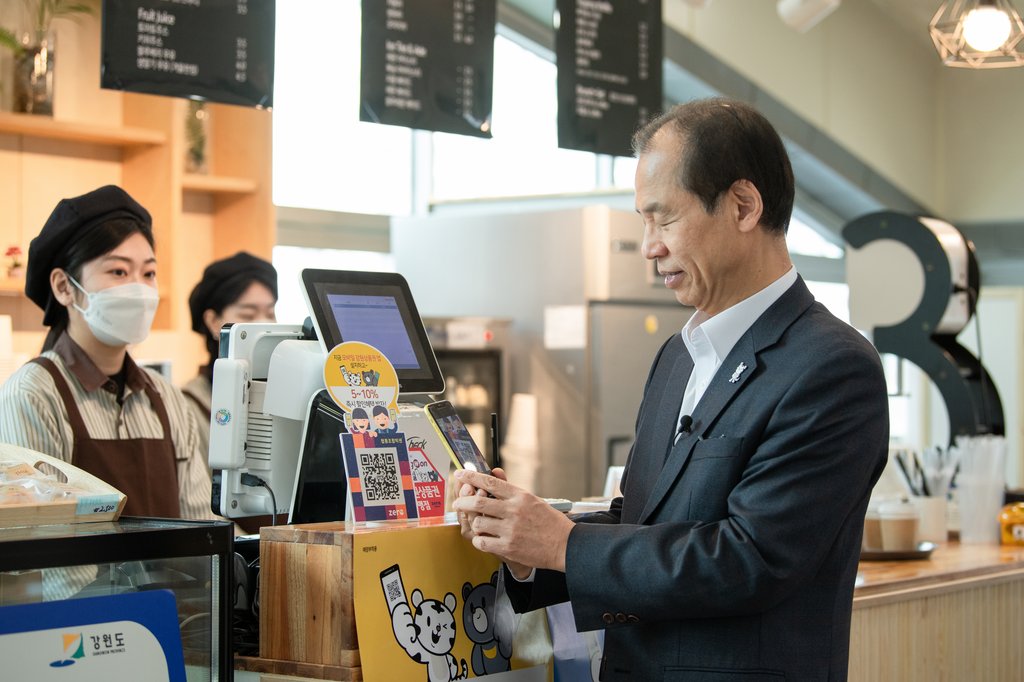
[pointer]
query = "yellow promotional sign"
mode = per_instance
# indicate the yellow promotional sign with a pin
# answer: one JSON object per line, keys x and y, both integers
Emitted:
{"x": 428, "y": 607}
{"x": 359, "y": 376}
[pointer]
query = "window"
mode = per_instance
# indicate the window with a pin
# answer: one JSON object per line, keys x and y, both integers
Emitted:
{"x": 523, "y": 157}
{"x": 807, "y": 241}
{"x": 324, "y": 157}
{"x": 291, "y": 260}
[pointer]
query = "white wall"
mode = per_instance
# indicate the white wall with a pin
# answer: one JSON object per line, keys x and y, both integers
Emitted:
{"x": 856, "y": 75}
{"x": 949, "y": 138}
{"x": 984, "y": 121}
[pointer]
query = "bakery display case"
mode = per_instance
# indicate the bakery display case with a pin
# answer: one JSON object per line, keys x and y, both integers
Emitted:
{"x": 191, "y": 559}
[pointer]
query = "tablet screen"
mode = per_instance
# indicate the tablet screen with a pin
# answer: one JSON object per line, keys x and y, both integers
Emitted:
{"x": 375, "y": 308}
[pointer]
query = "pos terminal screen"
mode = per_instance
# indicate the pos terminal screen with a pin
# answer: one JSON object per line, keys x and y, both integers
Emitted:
{"x": 375, "y": 308}
{"x": 375, "y": 320}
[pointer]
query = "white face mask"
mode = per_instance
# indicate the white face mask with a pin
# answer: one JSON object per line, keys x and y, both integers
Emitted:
{"x": 120, "y": 315}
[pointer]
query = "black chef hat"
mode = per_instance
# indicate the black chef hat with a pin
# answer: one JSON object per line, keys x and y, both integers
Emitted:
{"x": 71, "y": 220}
{"x": 217, "y": 289}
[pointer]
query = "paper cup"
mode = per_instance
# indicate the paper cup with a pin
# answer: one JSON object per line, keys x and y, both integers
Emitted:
{"x": 899, "y": 521}
{"x": 932, "y": 513}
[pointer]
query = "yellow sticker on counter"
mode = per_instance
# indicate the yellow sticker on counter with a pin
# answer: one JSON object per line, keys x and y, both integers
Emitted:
{"x": 359, "y": 376}
{"x": 428, "y": 607}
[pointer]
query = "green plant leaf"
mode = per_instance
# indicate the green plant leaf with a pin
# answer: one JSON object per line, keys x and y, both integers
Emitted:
{"x": 10, "y": 41}
{"x": 45, "y": 11}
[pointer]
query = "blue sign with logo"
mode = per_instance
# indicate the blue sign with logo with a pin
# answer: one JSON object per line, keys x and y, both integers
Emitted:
{"x": 99, "y": 638}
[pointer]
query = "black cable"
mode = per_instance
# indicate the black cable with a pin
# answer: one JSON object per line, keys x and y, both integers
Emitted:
{"x": 254, "y": 481}
{"x": 973, "y": 294}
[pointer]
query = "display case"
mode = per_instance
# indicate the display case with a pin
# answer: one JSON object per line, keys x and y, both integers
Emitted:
{"x": 191, "y": 559}
{"x": 473, "y": 386}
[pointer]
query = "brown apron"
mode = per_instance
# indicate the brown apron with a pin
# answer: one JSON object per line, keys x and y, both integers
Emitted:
{"x": 143, "y": 469}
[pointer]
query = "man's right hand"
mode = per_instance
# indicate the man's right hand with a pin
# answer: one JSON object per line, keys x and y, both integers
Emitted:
{"x": 519, "y": 571}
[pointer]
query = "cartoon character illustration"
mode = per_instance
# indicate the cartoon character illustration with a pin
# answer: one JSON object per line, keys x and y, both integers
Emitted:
{"x": 382, "y": 418}
{"x": 480, "y": 615}
{"x": 428, "y": 635}
{"x": 361, "y": 422}
{"x": 351, "y": 378}
{"x": 371, "y": 377}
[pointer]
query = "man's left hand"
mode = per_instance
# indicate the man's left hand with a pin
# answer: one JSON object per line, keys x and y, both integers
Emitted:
{"x": 514, "y": 524}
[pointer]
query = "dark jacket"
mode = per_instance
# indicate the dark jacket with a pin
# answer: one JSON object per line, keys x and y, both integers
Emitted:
{"x": 733, "y": 553}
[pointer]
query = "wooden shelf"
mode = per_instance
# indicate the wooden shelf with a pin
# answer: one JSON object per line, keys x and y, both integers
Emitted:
{"x": 30, "y": 125}
{"x": 218, "y": 184}
{"x": 12, "y": 287}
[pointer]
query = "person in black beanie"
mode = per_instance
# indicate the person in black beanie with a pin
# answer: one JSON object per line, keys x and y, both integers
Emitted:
{"x": 242, "y": 288}
{"x": 93, "y": 272}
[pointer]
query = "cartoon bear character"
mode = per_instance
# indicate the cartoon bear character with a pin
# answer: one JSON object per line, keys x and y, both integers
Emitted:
{"x": 480, "y": 614}
{"x": 371, "y": 377}
{"x": 428, "y": 635}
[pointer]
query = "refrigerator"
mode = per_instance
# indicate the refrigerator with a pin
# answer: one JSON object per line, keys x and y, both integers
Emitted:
{"x": 474, "y": 385}
{"x": 585, "y": 312}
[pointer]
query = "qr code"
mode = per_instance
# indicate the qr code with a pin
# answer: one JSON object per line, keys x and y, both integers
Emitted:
{"x": 393, "y": 591}
{"x": 381, "y": 477}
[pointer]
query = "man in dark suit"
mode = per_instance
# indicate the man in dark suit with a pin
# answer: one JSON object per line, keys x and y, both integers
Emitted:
{"x": 733, "y": 550}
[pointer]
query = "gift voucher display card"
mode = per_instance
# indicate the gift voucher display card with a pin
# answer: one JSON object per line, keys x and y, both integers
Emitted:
{"x": 380, "y": 481}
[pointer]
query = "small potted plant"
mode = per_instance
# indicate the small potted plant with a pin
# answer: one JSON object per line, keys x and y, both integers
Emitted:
{"x": 15, "y": 269}
{"x": 34, "y": 52}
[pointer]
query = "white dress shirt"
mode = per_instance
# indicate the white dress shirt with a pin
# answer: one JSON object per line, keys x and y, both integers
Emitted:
{"x": 710, "y": 339}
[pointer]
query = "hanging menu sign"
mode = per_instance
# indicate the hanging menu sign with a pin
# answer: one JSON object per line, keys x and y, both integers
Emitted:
{"x": 428, "y": 64}
{"x": 219, "y": 50}
{"x": 608, "y": 54}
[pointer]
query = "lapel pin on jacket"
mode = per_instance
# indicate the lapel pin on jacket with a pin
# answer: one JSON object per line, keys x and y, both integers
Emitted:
{"x": 736, "y": 374}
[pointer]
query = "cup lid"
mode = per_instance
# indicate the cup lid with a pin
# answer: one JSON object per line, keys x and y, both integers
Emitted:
{"x": 898, "y": 509}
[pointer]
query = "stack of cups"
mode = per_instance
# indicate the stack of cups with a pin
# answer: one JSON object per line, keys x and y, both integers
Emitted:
{"x": 980, "y": 486}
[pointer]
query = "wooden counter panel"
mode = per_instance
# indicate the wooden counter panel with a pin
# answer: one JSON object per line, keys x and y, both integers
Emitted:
{"x": 952, "y": 636}
{"x": 307, "y": 613}
{"x": 950, "y": 563}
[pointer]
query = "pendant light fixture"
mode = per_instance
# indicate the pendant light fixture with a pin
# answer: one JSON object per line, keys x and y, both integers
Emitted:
{"x": 978, "y": 34}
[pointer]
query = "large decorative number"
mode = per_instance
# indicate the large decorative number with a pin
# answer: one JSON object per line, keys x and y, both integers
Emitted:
{"x": 926, "y": 337}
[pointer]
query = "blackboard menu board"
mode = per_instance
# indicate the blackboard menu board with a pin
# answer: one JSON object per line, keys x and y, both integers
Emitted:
{"x": 428, "y": 64}
{"x": 608, "y": 54}
{"x": 219, "y": 50}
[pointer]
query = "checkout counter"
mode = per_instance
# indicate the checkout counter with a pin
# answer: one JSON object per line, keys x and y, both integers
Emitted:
{"x": 953, "y": 616}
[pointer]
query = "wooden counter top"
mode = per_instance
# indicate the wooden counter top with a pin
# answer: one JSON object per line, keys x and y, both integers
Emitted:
{"x": 950, "y": 566}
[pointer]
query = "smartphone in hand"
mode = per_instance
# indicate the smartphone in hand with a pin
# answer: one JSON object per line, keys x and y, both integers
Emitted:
{"x": 460, "y": 444}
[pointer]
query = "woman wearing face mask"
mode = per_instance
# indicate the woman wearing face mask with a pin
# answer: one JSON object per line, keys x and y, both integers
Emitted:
{"x": 84, "y": 400}
{"x": 242, "y": 288}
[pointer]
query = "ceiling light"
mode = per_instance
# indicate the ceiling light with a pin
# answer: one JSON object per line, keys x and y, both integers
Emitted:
{"x": 979, "y": 34}
{"x": 986, "y": 28}
{"x": 803, "y": 15}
